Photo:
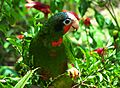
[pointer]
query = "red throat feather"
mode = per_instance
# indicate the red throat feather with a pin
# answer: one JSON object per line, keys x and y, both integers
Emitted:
{"x": 66, "y": 28}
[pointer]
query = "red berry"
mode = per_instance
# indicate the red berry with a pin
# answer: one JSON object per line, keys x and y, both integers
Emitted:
{"x": 20, "y": 36}
{"x": 99, "y": 51}
{"x": 87, "y": 21}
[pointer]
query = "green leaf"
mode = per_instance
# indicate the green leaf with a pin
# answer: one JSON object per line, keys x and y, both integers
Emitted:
{"x": 109, "y": 23}
{"x": 4, "y": 26}
{"x": 100, "y": 76}
{"x": 24, "y": 80}
{"x": 11, "y": 20}
{"x": 84, "y": 5}
{"x": 60, "y": 5}
{"x": 77, "y": 35}
{"x": 102, "y": 3}
{"x": 52, "y": 6}
{"x": 106, "y": 76}
{"x": 1, "y": 85}
{"x": 94, "y": 66}
{"x": 16, "y": 43}
{"x": 91, "y": 77}
{"x": 7, "y": 85}
{"x": 94, "y": 43}
{"x": 99, "y": 18}
{"x": 6, "y": 45}
{"x": 6, "y": 71}
{"x": 56, "y": 5}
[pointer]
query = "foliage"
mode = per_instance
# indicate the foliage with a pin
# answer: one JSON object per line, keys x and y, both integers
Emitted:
{"x": 94, "y": 48}
{"x": 24, "y": 80}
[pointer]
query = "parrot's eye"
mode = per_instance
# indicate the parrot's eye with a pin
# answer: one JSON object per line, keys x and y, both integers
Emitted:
{"x": 67, "y": 21}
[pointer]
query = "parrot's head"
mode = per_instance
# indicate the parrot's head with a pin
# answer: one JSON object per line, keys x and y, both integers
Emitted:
{"x": 60, "y": 24}
{"x": 71, "y": 22}
{"x": 63, "y": 22}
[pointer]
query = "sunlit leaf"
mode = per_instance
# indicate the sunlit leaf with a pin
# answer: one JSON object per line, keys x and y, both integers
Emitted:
{"x": 6, "y": 71}
{"x": 94, "y": 65}
{"x": 91, "y": 77}
{"x": 99, "y": 18}
{"x": 109, "y": 24}
{"x": 24, "y": 80}
{"x": 52, "y": 6}
{"x": 100, "y": 76}
{"x": 83, "y": 6}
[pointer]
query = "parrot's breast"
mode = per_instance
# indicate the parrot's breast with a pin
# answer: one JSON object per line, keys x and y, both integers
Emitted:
{"x": 51, "y": 59}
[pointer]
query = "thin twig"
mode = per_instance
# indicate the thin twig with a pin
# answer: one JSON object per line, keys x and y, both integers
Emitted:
{"x": 114, "y": 17}
{"x": 2, "y": 2}
{"x": 83, "y": 84}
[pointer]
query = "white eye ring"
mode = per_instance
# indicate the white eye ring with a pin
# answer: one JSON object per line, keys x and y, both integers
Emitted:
{"x": 67, "y": 21}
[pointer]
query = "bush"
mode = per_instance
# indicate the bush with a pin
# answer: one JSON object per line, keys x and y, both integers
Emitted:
{"x": 94, "y": 48}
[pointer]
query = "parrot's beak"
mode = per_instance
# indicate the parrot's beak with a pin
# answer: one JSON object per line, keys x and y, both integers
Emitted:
{"x": 75, "y": 24}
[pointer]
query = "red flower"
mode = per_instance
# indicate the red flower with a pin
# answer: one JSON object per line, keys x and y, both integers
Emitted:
{"x": 100, "y": 51}
{"x": 39, "y": 6}
{"x": 20, "y": 36}
{"x": 87, "y": 21}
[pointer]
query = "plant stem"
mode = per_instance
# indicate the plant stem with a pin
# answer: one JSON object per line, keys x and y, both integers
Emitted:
{"x": 87, "y": 38}
{"x": 1, "y": 5}
{"x": 113, "y": 16}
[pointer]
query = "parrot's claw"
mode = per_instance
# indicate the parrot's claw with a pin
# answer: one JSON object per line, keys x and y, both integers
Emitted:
{"x": 73, "y": 73}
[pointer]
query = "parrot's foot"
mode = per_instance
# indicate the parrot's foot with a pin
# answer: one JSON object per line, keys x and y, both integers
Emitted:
{"x": 73, "y": 73}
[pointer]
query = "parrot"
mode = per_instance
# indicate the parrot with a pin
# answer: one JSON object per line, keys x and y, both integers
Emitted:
{"x": 47, "y": 50}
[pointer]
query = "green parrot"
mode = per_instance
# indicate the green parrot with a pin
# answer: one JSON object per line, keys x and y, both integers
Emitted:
{"x": 47, "y": 50}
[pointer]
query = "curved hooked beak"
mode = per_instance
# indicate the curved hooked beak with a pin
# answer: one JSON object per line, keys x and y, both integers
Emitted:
{"x": 75, "y": 24}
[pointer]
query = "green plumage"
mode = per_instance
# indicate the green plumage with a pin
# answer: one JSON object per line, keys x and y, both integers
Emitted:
{"x": 52, "y": 60}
